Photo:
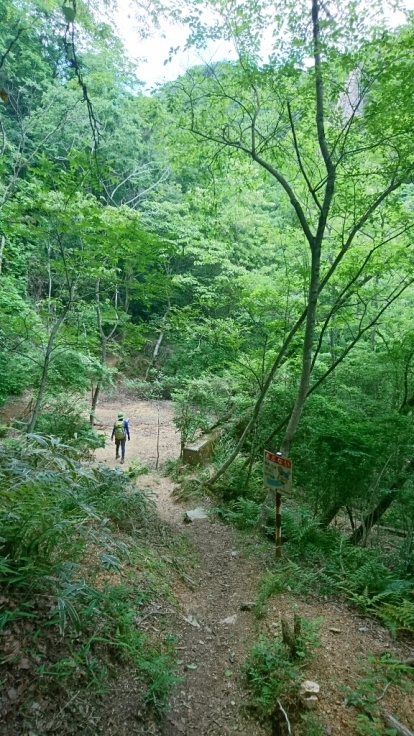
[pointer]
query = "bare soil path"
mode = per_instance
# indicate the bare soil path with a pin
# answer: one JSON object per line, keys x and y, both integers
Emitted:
{"x": 211, "y": 652}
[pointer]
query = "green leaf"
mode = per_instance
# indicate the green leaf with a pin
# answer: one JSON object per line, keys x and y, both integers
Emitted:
{"x": 69, "y": 13}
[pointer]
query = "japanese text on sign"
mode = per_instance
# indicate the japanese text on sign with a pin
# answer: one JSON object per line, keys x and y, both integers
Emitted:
{"x": 277, "y": 472}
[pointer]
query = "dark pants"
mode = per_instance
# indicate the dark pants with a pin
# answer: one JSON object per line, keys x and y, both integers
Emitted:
{"x": 122, "y": 443}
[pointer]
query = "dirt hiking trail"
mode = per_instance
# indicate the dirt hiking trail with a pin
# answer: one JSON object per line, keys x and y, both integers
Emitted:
{"x": 214, "y": 634}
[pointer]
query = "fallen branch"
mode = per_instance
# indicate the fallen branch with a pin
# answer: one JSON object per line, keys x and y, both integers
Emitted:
{"x": 389, "y": 720}
{"x": 383, "y": 692}
{"x": 286, "y": 717}
{"x": 392, "y": 722}
{"x": 392, "y": 530}
{"x": 62, "y": 709}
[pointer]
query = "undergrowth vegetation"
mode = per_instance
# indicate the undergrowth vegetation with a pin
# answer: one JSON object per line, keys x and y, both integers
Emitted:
{"x": 376, "y": 574}
{"x": 274, "y": 671}
{"x": 64, "y": 417}
{"x": 379, "y": 675}
{"x": 325, "y": 562}
{"x": 77, "y": 572}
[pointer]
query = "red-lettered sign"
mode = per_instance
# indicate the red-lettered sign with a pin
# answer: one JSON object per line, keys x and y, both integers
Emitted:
{"x": 277, "y": 472}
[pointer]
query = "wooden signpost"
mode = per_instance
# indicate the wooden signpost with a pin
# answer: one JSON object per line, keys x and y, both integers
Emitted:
{"x": 277, "y": 475}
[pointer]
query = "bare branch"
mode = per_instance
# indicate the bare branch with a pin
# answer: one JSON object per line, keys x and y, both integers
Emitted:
{"x": 358, "y": 226}
{"x": 292, "y": 197}
{"x": 11, "y": 44}
{"x": 320, "y": 114}
{"x": 362, "y": 330}
{"x": 397, "y": 293}
{"x": 164, "y": 176}
{"x": 299, "y": 158}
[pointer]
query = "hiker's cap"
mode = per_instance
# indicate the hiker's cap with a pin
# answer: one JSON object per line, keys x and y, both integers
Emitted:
{"x": 120, "y": 415}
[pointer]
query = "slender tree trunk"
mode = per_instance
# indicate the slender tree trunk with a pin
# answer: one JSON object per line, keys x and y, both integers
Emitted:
{"x": 45, "y": 369}
{"x": 2, "y": 244}
{"x": 307, "y": 354}
{"x": 306, "y": 370}
{"x": 95, "y": 395}
{"x": 375, "y": 515}
{"x": 49, "y": 289}
{"x": 316, "y": 248}
{"x": 332, "y": 345}
{"x": 104, "y": 344}
{"x": 159, "y": 342}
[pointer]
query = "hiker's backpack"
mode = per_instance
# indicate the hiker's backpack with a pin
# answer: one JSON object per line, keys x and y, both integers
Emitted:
{"x": 119, "y": 429}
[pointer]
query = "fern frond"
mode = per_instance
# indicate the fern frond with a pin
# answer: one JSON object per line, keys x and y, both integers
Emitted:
{"x": 397, "y": 617}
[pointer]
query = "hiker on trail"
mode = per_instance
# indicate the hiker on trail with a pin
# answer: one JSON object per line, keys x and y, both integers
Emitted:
{"x": 120, "y": 432}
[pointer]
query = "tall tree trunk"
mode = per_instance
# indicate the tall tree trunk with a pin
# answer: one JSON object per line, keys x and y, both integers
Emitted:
{"x": 330, "y": 514}
{"x": 306, "y": 355}
{"x": 306, "y": 370}
{"x": 316, "y": 248}
{"x": 372, "y": 518}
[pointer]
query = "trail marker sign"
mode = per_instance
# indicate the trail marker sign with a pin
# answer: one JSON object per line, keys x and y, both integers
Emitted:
{"x": 277, "y": 472}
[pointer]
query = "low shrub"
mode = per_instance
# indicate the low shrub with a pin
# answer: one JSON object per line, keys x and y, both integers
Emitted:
{"x": 274, "y": 669}
{"x": 60, "y": 537}
{"x": 65, "y": 418}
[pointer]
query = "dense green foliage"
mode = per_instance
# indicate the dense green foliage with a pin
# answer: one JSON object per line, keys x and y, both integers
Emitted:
{"x": 239, "y": 241}
{"x": 54, "y": 511}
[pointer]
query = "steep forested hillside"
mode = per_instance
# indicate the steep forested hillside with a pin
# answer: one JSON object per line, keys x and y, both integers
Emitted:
{"x": 239, "y": 241}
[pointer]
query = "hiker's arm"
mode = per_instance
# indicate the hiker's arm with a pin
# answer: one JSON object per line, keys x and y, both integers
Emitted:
{"x": 113, "y": 432}
{"x": 127, "y": 430}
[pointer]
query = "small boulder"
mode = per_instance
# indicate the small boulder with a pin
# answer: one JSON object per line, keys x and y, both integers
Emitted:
{"x": 309, "y": 693}
{"x": 229, "y": 620}
{"x": 247, "y": 606}
{"x": 308, "y": 687}
{"x": 192, "y": 620}
{"x": 195, "y": 515}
